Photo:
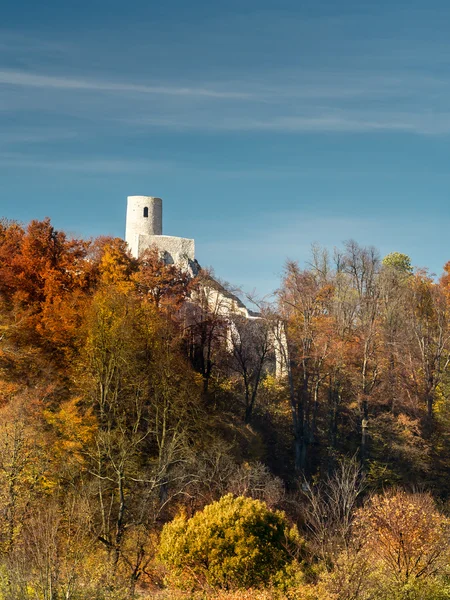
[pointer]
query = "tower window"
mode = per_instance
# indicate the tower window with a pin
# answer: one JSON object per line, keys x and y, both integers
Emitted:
{"x": 146, "y": 212}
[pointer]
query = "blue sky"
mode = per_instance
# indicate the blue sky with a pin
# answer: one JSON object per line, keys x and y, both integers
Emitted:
{"x": 265, "y": 126}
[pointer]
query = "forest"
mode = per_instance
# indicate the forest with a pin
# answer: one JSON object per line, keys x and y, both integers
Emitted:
{"x": 153, "y": 446}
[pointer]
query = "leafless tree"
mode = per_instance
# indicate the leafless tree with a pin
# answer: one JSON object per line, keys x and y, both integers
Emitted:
{"x": 329, "y": 509}
{"x": 251, "y": 344}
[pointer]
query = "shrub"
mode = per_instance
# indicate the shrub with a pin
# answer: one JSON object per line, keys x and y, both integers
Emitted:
{"x": 232, "y": 543}
{"x": 405, "y": 543}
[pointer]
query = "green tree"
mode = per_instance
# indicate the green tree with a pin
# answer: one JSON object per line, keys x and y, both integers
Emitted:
{"x": 398, "y": 261}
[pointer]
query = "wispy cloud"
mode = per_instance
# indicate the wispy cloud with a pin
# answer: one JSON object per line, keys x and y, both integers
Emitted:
{"x": 365, "y": 94}
{"x": 320, "y": 121}
{"x": 30, "y": 48}
{"x": 290, "y": 101}
{"x": 20, "y": 78}
{"x": 91, "y": 165}
{"x": 35, "y": 136}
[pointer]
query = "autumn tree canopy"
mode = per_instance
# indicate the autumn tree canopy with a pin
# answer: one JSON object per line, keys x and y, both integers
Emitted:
{"x": 130, "y": 397}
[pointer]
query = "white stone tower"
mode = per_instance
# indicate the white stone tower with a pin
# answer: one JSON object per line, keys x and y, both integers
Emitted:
{"x": 144, "y": 230}
{"x": 144, "y": 217}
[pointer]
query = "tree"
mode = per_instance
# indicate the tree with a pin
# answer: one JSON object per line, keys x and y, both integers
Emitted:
{"x": 430, "y": 338}
{"x": 116, "y": 265}
{"x": 407, "y": 540}
{"x": 133, "y": 377}
{"x": 398, "y": 262}
{"x": 165, "y": 285}
{"x": 304, "y": 309}
{"x": 329, "y": 510}
{"x": 235, "y": 542}
{"x": 362, "y": 265}
{"x": 206, "y": 324}
{"x": 44, "y": 282}
{"x": 251, "y": 343}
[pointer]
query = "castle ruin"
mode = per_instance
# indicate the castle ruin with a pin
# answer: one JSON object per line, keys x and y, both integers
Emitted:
{"x": 144, "y": 230}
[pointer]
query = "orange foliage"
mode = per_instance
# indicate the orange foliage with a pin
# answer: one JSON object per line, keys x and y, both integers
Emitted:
{"x": 42, "y": 276}
{"x": 405, "y": 534}
{"x": 165, "y": 285}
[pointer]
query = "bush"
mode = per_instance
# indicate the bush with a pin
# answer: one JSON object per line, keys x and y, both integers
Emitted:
{"x": 400, "y": 550}
{"x": 232, "y": 543}
{"x": 405, "y": 536}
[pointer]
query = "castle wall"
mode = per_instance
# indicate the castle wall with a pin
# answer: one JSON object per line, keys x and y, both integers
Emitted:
{"x": 173, "y": 249}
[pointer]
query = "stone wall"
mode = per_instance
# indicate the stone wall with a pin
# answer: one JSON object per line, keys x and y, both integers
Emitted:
{"x": 177, "y": 250}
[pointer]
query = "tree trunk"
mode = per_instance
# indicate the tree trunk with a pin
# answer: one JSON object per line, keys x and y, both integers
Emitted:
{"x": 364, "y": 432}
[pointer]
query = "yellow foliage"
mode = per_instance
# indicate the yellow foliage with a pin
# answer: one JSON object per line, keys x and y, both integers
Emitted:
{"x": 235, "y": 542}
{"x": 116, "y": 268}
{"x": 405, "y": 536}
{"x": 73, "y": 429}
